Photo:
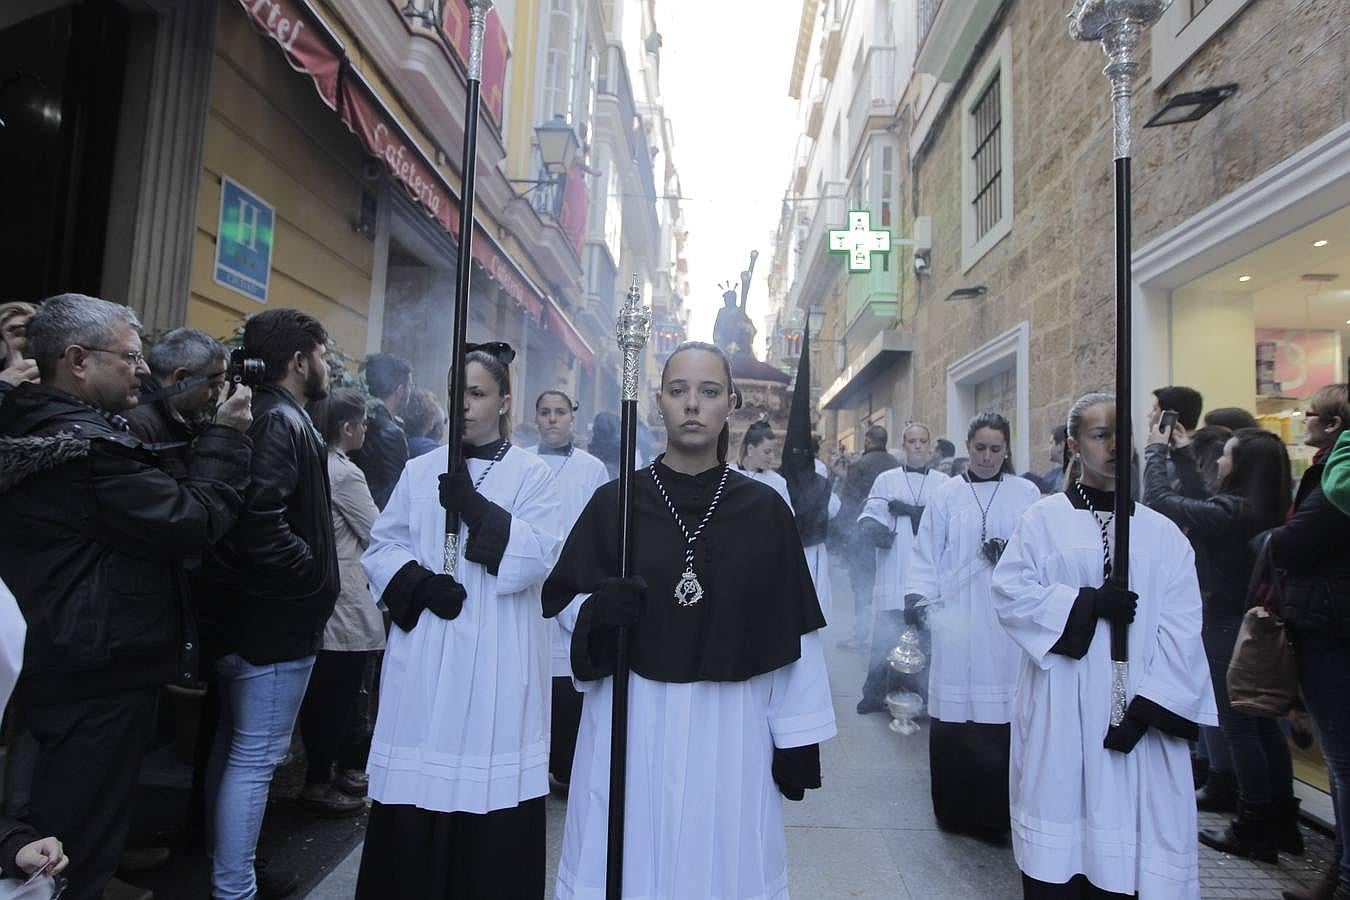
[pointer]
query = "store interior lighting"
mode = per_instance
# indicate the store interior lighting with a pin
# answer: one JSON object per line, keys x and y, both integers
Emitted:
{"x": 1319, "y": 243}
{"x": 1191, "y": 106}
{"x": 1244, "y": 278}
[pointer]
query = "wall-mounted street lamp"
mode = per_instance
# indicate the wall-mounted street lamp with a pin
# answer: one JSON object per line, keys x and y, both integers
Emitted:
{"x": 558, "y": 146}
{"x": 1191, "y": 106}
{"x": 967, "y": 293}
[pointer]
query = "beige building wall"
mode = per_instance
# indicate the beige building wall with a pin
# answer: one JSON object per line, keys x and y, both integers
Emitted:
{"x": 1055, "y": 270}
{"x": 268, "y": 130}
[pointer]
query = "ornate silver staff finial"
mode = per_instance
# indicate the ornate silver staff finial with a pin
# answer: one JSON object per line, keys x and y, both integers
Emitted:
{"x": 478, "y": 10}
{"x": 1118, "y": 24}
{"x": 635, "y": 324}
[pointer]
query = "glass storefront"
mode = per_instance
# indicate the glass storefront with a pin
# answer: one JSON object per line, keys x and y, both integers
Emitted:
{"x": 1264, "y": 333}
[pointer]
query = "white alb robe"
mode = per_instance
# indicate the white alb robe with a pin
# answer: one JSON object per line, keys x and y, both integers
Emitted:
{"x": 575, "y": 478}
{"x": 1126, "y": 821}
{"x": 817, "y": 557}
{"x": 703, "y": 816}
{"x": 916, "y": 489}
{"x": 771, "y": 478}
{"x": 974, "y": 663}
{"x": 463, "y": 724}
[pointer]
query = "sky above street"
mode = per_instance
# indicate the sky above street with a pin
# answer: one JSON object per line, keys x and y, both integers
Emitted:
{"x": 725, "y": 66}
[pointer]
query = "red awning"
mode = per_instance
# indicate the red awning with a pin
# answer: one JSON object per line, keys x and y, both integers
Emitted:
{"x": 558, "y": 323}
{"x": 311, "y": 48}
{"x": 305, "y": 40}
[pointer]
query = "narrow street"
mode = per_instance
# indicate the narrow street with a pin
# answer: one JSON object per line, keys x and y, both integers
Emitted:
{"x": 869, "y": 833}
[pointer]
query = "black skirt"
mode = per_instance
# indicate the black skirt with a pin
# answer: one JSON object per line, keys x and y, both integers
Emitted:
{"x": 968, "y": 763}
{"x": 1076, "y": 888}
{"x": 417, "y": 854}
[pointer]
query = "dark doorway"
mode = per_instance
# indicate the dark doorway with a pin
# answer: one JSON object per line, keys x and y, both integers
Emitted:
{"x": 61, "y": 74}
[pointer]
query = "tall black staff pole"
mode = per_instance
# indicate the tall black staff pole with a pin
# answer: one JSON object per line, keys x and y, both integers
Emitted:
{"x": 635, "y": 322}
{"x": 478, "y": 10}
{"x": 1118, "y": 24}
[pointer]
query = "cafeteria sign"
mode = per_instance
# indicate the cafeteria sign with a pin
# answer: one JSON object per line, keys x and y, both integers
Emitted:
{"x": 244, "y": 241}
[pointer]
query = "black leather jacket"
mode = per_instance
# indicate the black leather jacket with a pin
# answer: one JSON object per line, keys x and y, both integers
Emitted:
{"x": 271, "y": 584}
{"x": 384, "y": 454}
{"x": 92, "y": 539}
{"x": 1312, "y": 552}
{"x": 1219, "y": 528}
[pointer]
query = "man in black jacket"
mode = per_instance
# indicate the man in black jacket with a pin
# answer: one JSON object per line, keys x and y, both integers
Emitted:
{"x": 273, "y": 582}
{"x": 385, "y": 451}
{"x": 92, "y": 538}
{"x": 860, "y": 553}
{"x": 168, "y": 415}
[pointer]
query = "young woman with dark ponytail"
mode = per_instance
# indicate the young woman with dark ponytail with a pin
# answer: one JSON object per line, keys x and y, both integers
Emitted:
{"x": 1099, "y": 810}
{"x": 758, "y": 458}
{"x": 729, "y": 696}
{"x": 459, "y": 761}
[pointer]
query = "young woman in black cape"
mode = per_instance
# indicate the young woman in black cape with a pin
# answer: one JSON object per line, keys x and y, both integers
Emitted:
{"x": 729, "y": 697}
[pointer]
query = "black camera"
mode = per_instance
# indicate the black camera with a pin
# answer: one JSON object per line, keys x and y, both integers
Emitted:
{"x": 245, "y": 369}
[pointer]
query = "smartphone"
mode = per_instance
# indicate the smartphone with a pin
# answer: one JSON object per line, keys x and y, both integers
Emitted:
{"x": 1167, "y": 422}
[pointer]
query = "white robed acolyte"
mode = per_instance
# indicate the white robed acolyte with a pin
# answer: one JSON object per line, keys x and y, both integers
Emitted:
{"x": 975, "y": 664}
{"x": 916, "y": 489}
{"x": 464, "y": 703}
{"x": 703, "y": 816}
{"x": 576, "y": 475}
{"x": 1125, "y": 820}
{"x": 817, "y": 557}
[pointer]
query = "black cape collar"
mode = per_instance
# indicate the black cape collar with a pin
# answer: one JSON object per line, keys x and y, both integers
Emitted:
{"x": 564, "y": 450}
{"x": 758, "y": 596}
{"x": 1103, "y": 501}
{"x": 484, "y": 451}
{"x": 917, "y": 470}
{"x": 975, "y": 479}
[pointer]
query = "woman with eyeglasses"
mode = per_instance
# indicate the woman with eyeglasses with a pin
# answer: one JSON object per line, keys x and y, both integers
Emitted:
{"x": 1312, "y": 553}
{"x": 1324, "y": 421}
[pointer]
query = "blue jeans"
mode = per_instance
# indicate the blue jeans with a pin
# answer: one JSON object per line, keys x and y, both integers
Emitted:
{"x": 258, "y": 706}
{"x": 1324, "y": 665}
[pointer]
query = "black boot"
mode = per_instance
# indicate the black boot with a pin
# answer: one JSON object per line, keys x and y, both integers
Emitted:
{"x": 1219, "y": 793}
{"x": 1287, "y": 836}
{"x": 1250, "y": 834}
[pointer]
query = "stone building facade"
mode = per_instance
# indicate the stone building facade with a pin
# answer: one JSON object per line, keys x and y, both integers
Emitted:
{"x": 1041, "y": 330}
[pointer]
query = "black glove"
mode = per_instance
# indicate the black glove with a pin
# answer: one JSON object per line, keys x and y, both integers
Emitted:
{"x": 458, "y": 495}
{"x": 795, "y": 770}
{"x": 1122, "y": 738}
{"x": 441, "y": 594}
{"x": 914, "y": 614}
{"x": 619, "y": 602}
{"x": 900, "y": 508}
{"x": 1113, "y": 603}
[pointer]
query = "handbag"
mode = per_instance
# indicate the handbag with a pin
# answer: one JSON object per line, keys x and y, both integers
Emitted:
{"x": 1263, "y": 673}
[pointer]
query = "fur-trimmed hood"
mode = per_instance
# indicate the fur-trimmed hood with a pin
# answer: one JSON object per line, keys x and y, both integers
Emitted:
{"x": 22, "y": 458}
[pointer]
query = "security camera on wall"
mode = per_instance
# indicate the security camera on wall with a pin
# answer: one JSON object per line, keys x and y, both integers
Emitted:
{"x": 921, "y": 264}
{"x": 370, "y": 170}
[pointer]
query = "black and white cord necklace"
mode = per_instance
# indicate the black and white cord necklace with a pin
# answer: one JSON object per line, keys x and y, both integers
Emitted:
{"x": 1103, "y": 524}
{"x": 478, "y": 482}
{"x": 689, "y": 590}
{"x": 990, "y": 548}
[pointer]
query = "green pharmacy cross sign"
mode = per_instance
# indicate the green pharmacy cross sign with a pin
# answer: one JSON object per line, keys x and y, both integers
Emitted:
{"x": 859, "y": 241}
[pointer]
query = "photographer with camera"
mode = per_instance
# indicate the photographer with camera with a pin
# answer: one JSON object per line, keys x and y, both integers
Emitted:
{"x": 187, "y": 377}
{"x": 92, "y": 538}
{"x": 272, "y": 582}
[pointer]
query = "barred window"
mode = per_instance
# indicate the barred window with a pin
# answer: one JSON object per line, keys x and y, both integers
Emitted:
{"x": 987, "y": 119}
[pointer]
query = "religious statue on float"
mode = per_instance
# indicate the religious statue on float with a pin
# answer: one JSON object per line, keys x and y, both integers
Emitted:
{"x": 733, "y": 331}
